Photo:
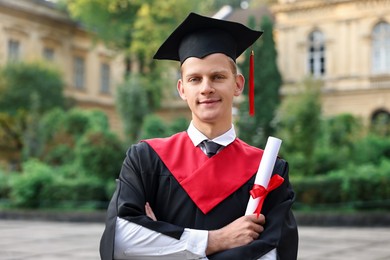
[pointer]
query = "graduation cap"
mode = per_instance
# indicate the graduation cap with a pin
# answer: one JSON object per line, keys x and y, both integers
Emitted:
{"x": 199, "y": 36}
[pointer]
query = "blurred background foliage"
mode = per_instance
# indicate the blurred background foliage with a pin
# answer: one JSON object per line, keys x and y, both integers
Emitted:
{"x": 65, "y": 157}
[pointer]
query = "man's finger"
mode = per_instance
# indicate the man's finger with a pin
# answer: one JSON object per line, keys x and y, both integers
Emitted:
{"x": 149, "y": 212}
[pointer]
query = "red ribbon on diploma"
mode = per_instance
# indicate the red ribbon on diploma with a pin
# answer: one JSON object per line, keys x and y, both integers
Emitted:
{"x": 259, "y": 191}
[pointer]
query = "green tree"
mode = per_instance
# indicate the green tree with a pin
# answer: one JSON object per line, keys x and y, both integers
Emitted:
{"x": 298, "y": 123}
{"x": 255, "y": 130}
{"x": 233, "y": 3}
{"x": 140, "y": 26}
{"x": 132, "y": 106}
{"x": 27, "y": 91}
{"x": 343, "y": 130}
{"x": 32, "y": 139}
{"x": 336, "y": 141}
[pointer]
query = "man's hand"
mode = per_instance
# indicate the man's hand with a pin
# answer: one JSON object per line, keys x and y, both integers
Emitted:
{"x": 240, "y": 232}
{"x": 149, "y": 211}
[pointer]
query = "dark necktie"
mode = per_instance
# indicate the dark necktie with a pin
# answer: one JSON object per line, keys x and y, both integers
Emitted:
{"x": 211, "y": 147}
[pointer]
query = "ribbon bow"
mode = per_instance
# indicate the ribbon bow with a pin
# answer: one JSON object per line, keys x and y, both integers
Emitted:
{"x": 261, "y": 192}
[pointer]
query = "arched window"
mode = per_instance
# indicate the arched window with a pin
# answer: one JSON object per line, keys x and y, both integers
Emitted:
{"x": 380, "y": 122}
{"x": 316, "y": 54}
{"x": 381, "y": 48}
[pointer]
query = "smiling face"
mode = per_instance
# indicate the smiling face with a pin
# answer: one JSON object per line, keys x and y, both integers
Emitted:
{"x": 209, "y": 86}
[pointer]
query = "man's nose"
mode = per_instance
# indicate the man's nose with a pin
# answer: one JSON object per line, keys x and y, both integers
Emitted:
{"x": 207, "y": 86}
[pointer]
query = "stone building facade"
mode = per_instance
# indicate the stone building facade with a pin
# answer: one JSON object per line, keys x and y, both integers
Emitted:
{"x": 37, "y": 30}
{"x": 346, "y": 43}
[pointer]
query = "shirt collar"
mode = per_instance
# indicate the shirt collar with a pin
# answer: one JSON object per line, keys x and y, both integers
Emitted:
{"x": 197, "y": 137}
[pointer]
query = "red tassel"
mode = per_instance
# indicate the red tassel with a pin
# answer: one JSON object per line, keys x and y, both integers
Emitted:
{"x": 251, "y": 91}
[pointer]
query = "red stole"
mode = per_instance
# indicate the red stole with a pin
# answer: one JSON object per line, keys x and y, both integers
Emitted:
{"x": 208, "y": 181}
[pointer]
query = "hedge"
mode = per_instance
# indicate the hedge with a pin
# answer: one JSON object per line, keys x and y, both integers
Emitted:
{"x": 360, "y": 187}
{"x": 74, "y": 193}
{"x": 43, "y": 186}
{"x": 337, "y": 191}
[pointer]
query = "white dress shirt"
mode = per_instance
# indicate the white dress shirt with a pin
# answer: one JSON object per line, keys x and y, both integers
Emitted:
{"x": 133, "y": 241}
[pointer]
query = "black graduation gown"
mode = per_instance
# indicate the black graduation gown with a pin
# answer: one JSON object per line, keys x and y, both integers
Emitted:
{"x": 146, "y": 178}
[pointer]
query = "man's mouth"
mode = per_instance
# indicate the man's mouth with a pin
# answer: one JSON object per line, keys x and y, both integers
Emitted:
{"x": 209, "y": 101}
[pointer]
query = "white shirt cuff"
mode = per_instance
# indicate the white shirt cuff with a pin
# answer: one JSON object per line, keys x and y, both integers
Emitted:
{"x": 196, "y": 241}
{"x": 133, "y": 241}
{"x": 271, "y": 255}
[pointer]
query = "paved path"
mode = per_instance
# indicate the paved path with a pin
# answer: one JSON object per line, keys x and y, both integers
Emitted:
{"x": 32, "y": 240}
{"x": 338, "y": 243}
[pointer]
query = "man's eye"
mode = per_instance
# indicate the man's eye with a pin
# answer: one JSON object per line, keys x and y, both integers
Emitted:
{"x": 218, "y": 77}
{"x": 193, "y": 79}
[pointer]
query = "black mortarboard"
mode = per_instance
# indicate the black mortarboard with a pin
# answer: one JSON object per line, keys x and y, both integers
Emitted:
{"x": 199, "y": 36}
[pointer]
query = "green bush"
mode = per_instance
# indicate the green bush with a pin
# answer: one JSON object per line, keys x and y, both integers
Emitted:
{"x": 59, "y": 154}
{"x": 371, "y": 149}
{"x": 327, "y": 159}
{"x": 27, "y": 187}
{"x": 5, "y": 185}
{"x": 77, "y": 122}
{"x": 71, "y": 171}
{"x": 100, "y": 154}
{"x": 42, "y": 186}
{"x": 83, "y": 192}
{"x": 52, "y": 122}
{"x": 178, "y": 125}
{"x": 110, "y": 188}
{"x": 154, "y": 127}
{"x": 63, "y": 129}
{"x": 357, "y": 186}
{"x": 342, "y": 130}
{"x": 316, "y": 191}
{"x": 98, "y": 121}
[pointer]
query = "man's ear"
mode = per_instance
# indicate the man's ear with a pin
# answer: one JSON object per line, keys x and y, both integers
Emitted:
{"x": 240, "y": 83}
{"x": 180, "y": 89}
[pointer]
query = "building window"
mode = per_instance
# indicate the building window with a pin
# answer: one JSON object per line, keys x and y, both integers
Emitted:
{"x": 104, "y": 78}
{"x": 78, "y": 72}
{"x": 381, "y": 48}
{"x": 13, "y": 50}
{"x": 316, "y": 54}
{"x": 380, "y": 123}
{"x": 48, "y": 54}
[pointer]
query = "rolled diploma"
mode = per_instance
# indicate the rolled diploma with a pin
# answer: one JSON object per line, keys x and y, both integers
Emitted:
{"x": 264, "y": 172}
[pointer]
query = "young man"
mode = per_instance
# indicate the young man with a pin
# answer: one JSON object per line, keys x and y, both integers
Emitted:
{"x": 176, "y": 199}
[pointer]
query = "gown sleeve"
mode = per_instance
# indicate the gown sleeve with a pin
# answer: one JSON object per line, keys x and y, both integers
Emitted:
{"x": 128, "y": 201}
{"x": 280, "y": 230}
